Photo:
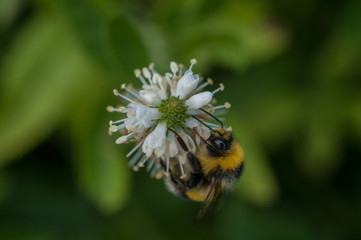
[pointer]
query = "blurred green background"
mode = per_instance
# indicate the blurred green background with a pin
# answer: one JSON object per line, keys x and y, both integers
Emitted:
{"x": 292, "y": 74}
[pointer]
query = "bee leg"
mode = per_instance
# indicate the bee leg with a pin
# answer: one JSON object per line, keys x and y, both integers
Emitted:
{"x": 190, "y": 155}
{"x": 210, "y": 148}
{"x": 175, "y": 178}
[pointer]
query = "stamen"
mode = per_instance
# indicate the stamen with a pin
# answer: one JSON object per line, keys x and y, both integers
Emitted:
{"x": 141, "y": 163}
{"x": 203, "y": 85}
{"x": 150, "y": 165}
{"x": 159, "y": 175}
{"x": 193, "y": 61}
{"x": 221, "y": 88}
{"x": 116, "y": 122}
{"x": 181, "y": 69}
{"x": 147, "y": 75}
{"x": 135, "y": 168}
{"x": 115, "y": 91}
{"x": 113, "y": 109}
{"x": 114, "y": 128}
{"x": 167, "y": 168}
{"x": 154, "y": 170}
{"x": 135, "y": 158}
{"x": 151, "y": 66}
{"x": 110, "y": 109}
{"x": 134, "y": 149}
{"x": 123, "y": 139}
{"x": 137, "y": 74}
{"x": 174, "y": 68}
{"x": 122, "y": 109}
{"x": 225, "y": 105}
{"x": 130, "y": 91}
{"x": 181, "y": 168}
{"x": 157, "y": 79}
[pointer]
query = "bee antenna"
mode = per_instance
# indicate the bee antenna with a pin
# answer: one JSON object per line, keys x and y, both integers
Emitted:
{"x": 206, "y": 125}
{"x": 214, "y": 117}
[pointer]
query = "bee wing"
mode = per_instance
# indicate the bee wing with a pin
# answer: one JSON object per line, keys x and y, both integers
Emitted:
{"x": 211, "y": 200}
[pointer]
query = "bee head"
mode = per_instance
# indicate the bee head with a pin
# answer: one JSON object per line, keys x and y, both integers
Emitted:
{"x": 221, "y": 139}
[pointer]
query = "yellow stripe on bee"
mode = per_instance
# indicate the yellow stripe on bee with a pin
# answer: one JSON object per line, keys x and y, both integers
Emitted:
{"x": 230, "y": 161}
{"x": 198, "y": 194}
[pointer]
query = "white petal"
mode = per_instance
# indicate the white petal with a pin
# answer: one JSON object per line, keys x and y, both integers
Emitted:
{"x": 188, "y": 140}
{"x": 155, "y": 140}
{"x": 172, "y": 147}
{"x": 160, "y": 151}
{"x": 199, "y": 100}
{"x": 203, "y": 131}
{"x": 140, "y": 117}
{"x": 150, "y": 97}
{"x": 186, "y": 84}
{"x": 147, "y": 116}
{"x": 191, "y": 122}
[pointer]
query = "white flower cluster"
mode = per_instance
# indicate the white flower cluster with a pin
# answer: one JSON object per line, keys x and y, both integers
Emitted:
{"x": 172, "y": 101}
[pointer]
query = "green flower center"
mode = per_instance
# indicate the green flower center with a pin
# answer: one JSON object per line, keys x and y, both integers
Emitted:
{"x": 173, "y": 111}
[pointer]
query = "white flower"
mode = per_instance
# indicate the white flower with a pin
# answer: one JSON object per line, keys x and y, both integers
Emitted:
{"x": 150, "y": 97}
{"x": 164, "y": 104}
{"x": 186, "y": 84}
{"x": 199, "y": 100}
{"x": 155, "y": 141}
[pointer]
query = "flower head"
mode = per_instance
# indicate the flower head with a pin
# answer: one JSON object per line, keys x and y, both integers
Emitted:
{"x": 174, "y": 101}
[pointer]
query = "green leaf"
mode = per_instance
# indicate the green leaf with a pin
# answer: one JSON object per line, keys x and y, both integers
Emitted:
{"x": 8, "y": 11}
{"x": 102, "y": 171}
{"x": 40, "y": 79}
{"x": 100, "y": 164}
{"x": 127, "y": 45}
{"x": 319, "y": 155}
{"x": 110, "y": 38}
{"x": 233, "y": 34}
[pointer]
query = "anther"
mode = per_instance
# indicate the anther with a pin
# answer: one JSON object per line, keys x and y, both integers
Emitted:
{"x": 227, "y": 105}
{"x": 203, "y": 85}
{"x": 113, "y": 128}
{"x": 110, "y": 109}
{"x": 147, "y": 75}
{"x": 221, "y": 88}
{"x": 141, "y": 164}
{"x": 137, "y": 74}
{"x": 193, "y": 61}
{"x": 123, "y": 139}
{"x": 115, "y": 91}
{"x": 159, "y": 175}
{"x": 135, "y": 168}
{"x": 174, "y": 68}
{"x": 151, "y": 66}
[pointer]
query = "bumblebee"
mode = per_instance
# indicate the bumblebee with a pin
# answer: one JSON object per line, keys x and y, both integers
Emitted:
{"x": 213, "y": 169}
